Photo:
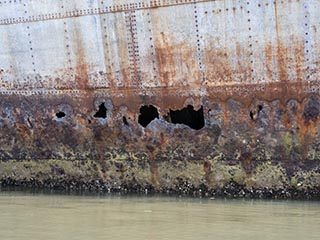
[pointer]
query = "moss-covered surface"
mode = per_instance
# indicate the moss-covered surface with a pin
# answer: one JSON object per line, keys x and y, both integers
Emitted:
{"x": 205, "y": 178}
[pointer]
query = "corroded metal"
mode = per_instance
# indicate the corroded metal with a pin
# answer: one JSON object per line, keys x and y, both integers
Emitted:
{"x": 252, "y": 65}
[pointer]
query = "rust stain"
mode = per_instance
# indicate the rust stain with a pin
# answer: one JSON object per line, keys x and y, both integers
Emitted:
{"x": 106, "y": 50}
{"x": 226, "y": 113}
{"x": 219, "y": 70}
{"x": 81, "y": 67}
{"x": 281, "y": 51}
{"x": 269, "y": 57}
{"x": 239, "y": 57}
{"x": 122, "y": 52}
{"x": 299, "y": 59}
{"x": 316, "y": 45}
{"x": 165, "y": 58}
{"x": 307, "y": 128}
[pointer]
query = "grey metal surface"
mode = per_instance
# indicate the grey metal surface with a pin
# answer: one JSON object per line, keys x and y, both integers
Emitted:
{"x": 195, "y": 45}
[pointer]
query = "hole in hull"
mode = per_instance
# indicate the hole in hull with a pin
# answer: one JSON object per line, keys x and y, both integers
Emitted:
{"x": 60, "y": 114}
{"x": 188, "y": 116}
{"x": 124, "y": 119}
{"x": 147, "y": 114}
{"x": 255, "y": 114}
{"x": 252, "y": 115}
{"x": 102, "y": 112}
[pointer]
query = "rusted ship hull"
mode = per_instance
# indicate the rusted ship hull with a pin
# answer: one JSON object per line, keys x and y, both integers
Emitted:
{"x": 178, "y": 96}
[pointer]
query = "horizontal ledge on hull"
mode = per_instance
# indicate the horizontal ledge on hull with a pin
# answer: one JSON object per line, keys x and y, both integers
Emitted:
{"x": 99, "y": 11}
{"x": 175, "y": 98}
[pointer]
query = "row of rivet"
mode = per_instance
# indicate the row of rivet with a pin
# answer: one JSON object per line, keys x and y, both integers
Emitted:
{"x": 97, "y": 11}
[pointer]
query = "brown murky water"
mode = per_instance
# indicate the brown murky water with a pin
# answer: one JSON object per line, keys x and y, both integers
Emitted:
{"x": 38, "y": 216}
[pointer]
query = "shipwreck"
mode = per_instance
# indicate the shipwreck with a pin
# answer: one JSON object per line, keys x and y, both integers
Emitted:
{"x": 192, "y": 96}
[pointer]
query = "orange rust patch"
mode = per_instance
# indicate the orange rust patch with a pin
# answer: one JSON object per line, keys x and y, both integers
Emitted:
{"x": 269, "y": 56}
{"x": 165, "y": 62}
{"x": 81, "y": 68}
{"x": 299, "y": 60}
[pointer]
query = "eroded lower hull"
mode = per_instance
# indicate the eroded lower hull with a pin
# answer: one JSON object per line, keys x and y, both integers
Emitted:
{"x": 264, "y": 144}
